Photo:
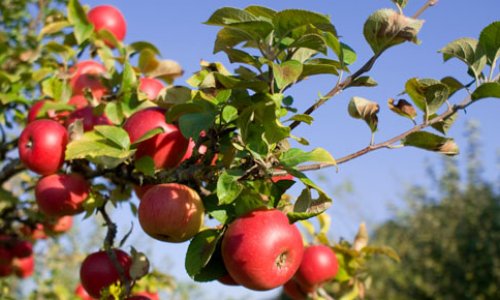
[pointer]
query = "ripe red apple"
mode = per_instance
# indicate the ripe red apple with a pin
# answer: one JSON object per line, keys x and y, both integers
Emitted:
{"x": 89, "y": 118}
{"x": 6, "y": 270}
{"x": 42, "y": 145}
{"x": 24, "y": 267}
{"x": 261, "y": 249}
{"x": 227, "y": 280}
{"x": 319, "y": 264}
{"x": 140, "y": 190}
{"x": 50, "y": 114}
{"x": 85, "y": 74}
{"x": 139, "y": 297}
{"x": 98, "y": 271}
{"x": 167, "y": 148}
{"x": 151, "y": 87}
{"x": 148, "y": 295}
{"x": 59, "y": 225}
{"x": 5, "y": 256}
{"x": 22, "y": 249}
{"x": 60, "y": 195}
{"x": 78, "y": 101}
{"x": 110, "y": 18}
{"x": 171, "y": 212}
{"x": 81, "y": 293}
{"x": 293, "y": 290}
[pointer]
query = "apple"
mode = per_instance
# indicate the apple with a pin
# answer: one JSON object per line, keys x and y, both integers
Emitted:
{"x": 148, "y": 295}
{"x": 22, "y": 249}
{"x": 98, "y": 271}
{"x": 5, "y": 256}
{"x": 167, "y": 148}
{"x": 24, "y": 267}
{"x": 139, "y": 297}
{"x": 50, "y": 114}
{"x": 37, "y": 232}
{"x": 81, "y": 293}
{"x": 60, "y": 195}
{"x": 261, "y": 249}
{"x": 110, "y": 18}
{"x": 6, "y": 270}
{"x": 89, "y": 118}
{"x": 319, "y": 264}
{"x": 227, "y": 280}
{"x": 140, "y": 190}
{"x": 42, "y": 145}
{"x": 78, "y": 101}
{"x": 85, "y": 74}
{"x": 293, "y": 290}
{"x": 59, "y": 225}
{"x": 171, "y": 212}
{"x": 150, "y": 86}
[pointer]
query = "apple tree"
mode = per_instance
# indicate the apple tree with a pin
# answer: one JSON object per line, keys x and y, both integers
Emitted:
{"x": 88, "y": 121}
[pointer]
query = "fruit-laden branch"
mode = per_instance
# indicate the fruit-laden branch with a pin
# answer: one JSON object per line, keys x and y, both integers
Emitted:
{"x": 339, "y": 87}
{"x": 388, "y": 143}
{"x": 12, "y": 168}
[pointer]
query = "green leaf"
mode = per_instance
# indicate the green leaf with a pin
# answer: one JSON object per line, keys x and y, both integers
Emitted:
{"x": 428, "y": 141}
{"x": 467, "y": 50}
{"x": 140, "y": 46}
{"x": 257, "y": 30}
{"x": 173, "y": 95}
{"x": 295, "y": 156}
{"x": 366, "y": 81}
{"x": 192, "y": 124}
{"x": 149, "y": 134}
{"x": 486, "y": 90}
{"x": 129, "y": 78}
{"x": 311, "y": 41}
{"x": 426, "y": 93}
{"x": 386, "y": 28}
{"x": 286, "y": 73}
{"x": 200, "y": 250}
{"x": 320, "y": 66}
{"x": 384, "y": 250}
{"x": 145, "y": 165}
{"x": 435, "y": 97}
{"x": 229, "y": 15}
{"x": 453, "y": 84}
{"x": 114, "y": 112}
{"x": 402, "y": 108}
{"x": 489, "y": 39}
{"x": 288, "y": 20}
{"x": 229, "y": 113}
{"x": 54, "y": 27}
{"x": 261, "y": 12}
{"x": 400, "y": 3}
{"x": 361, "y": 108}
{"x": 114, "y": 134}
{"x": 306, "y": 207}
{"x": 228, "y": 187}
{"x": 444, "y": 126}
{"x": 140, "y": 265}
{"x": 239, "y": 56}
{"x": 78, "y": 18}
{"x": 227, "y": 38}
{"x": 302, "y": 118}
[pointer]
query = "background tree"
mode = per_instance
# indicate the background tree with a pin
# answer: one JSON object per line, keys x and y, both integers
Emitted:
{"x": 448, "y": 238}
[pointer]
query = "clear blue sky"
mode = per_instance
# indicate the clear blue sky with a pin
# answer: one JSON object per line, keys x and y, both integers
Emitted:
{"x": 379, "y": 178}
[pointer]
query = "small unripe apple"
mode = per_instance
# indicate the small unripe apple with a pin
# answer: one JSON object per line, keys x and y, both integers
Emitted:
{"x": 98, "y": 271}
{"x": 24, "y": 267}
{"x": 171, "y": 212}
{"x": 110, "y": 18}
{"x": 167, "y": 148}
{"x": 319, "y": 264}
{"x": 42, "y": 145}
{"x": 151, "y": 87}
{"x": 60, "y": 195}
{"x": 262, "y": 250}
{"x": 86, "y": 75}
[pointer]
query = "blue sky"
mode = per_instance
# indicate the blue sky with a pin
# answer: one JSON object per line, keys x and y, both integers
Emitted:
{"x": 379, "y": 178}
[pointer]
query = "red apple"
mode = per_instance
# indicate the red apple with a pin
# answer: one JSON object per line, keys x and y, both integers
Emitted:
{"x": 98, "y": 271}
{"x": 59, "y": 225}
{"x": 148, "y": 295}
{"x": 22, "y": 249}
{"x": 151, "y": 87}
{"x": 171, "y": 212}
{"x": 78, "y": 101}
{"x": 140, "y": 190}
{"x": 110, "y": 18}
{"x": 227, "y": 280}
{"x": 139, "y": 297}
{"x": 5, "y": 256}
{"x": 319, "y": 264}
{"x": 81, "y": 293}
{"x": 42, "y": 145}
{"x": 261, "y": 249}
{"x": 24, "y": 267}
{"x": 50, "y": 114}
{"x": 88, "y": 117}
{"x": 85, "y": 74}
{"x": 293, "y": 290}
{"x": 34, "y": 233}
{"x": 6, "y": 270}
{"x": 60, "y": 195}
{"x": 167, "y": 148}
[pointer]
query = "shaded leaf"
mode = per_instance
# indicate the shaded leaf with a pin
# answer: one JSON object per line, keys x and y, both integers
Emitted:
{"x": 486, "y": 90}
{"x": 200, "y": 250}
{"x": 468, "y": 51}
{"x": 386, "y": 28}
{"x": 320, "y": 66}
{"x": 453, "y": 84}
{"x": 54, "y": 27}
{"x": 145, "y": 165}
{"x": 444, "y": 126}
{"x": 173, "y": 95}
{"x": 361, "y": 108}
{"x": 192, "y": 124}
{"x": 140, "y": 46}
{"x": 428, "y": 141}
{"x": 384, "y": 250}
{"x": 229, "y": 15}
{"x": 400, "y": 3}
{"x": 140, "y": 265}
{"x": 302, "y": 118}
{"x": 78, "y": 18}
{"x": 114, "y": 134}
{"x": 402, "y": 108}
{"x": 228, "y": 187}
{"x": 489, "y": 39}
{"x": 286, "y": 73}
{"x": 295, "y": 156}
{"x": 227, "y": 38}
{"x": 287, "y": 20}
{"x": 366, "y": 81}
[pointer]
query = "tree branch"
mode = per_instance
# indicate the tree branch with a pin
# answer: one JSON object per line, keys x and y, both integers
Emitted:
{"x": 12, "y": 168}
{"x": 428, "y": 4}
{"x": 339, "y": 87}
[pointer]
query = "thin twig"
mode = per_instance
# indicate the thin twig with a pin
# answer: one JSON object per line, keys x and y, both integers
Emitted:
{"x": 12, "y": 168}
{"x": 339, "y": 87}
{"x": 428, "y": 4}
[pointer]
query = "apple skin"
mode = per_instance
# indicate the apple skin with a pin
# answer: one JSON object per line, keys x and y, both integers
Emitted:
{"x": 139, "y": 297}
{"x": 60, "y": 195}
{"x": 6, "y": 270}
{"x": 59, "y": 225}
{"x": 89, "y": 119}
{"x": 167, "y": 148}
{"x": 140, "y": 190}
{"x": 97, "y": 271}
{"x": 50, "y": 114}
{"x": 85, "y": 74}
{"x": 42, "y": 145}
{"x": 227, "y": 280}
{"x": 151, "y": 87}
{"x": 148, "y": 295}
{"x": 319, "y": 264}
{"x": 262, "y": 250}
{"x": 24, "y": 267}
{"x": 171, "y": 212}
{"x": 81, "y": 293}
{"x": 5, "y": 256}
{"x": 293, "y": 290}
{"x": 110, "y": 18}
{"x": 22, "y": 249}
